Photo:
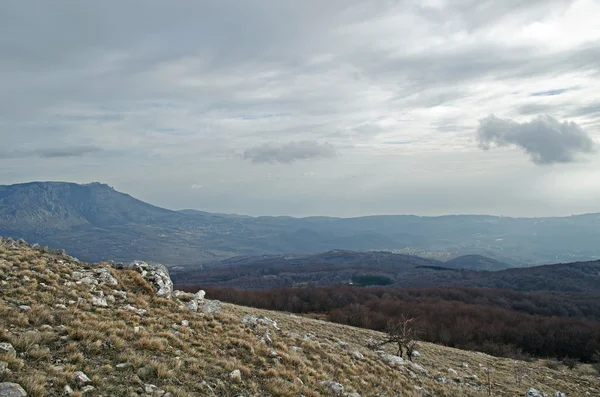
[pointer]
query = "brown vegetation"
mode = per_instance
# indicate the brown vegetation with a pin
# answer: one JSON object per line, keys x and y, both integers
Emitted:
{"x": 502, "y": 323}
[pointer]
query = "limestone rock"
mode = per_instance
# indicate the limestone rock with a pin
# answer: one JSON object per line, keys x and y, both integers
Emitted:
{"x": 157, "y": 275}
{"x": 81, "y": 378}
{"x": 335, "y": 387}
{"x": 104, "y": 276}
{"x": 534, "y": 393}
{"x": 235, "y": 375}
{"x": 210, "y": 307}
{"x": 98, "y": 301}
{"x": 8, "y": 389}
{"x": 253, "y": 321}
{"x": 8, "y": 349}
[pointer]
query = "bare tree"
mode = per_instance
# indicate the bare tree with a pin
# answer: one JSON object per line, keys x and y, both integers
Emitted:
{"x": 402, "y": 333}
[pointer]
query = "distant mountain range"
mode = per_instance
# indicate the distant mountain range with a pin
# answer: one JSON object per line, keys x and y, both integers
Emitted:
{"x": 386, "y": 269}
{"x": 95, "y": 222}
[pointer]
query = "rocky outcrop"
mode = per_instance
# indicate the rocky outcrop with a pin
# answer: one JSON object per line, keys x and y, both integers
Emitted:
{"x": 157, "y": 275}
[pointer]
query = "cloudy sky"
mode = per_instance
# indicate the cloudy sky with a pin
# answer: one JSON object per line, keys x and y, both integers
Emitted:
{"x": 339, "y": 108}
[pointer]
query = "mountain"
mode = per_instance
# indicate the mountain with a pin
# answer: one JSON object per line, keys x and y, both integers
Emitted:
{"x": 392, "y": 270}
{"x": 70, "y": 328}
{"x": 475, "y": 262}
{"x": 95, "y": 222}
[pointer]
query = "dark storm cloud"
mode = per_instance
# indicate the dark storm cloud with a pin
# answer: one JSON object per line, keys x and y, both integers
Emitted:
{"x": 289, "y": 152}
{"x": 544, "y": 139}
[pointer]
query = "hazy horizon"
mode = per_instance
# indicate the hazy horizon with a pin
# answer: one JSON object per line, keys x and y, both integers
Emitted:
{"x": 340, "y": 108}
{"x": 307, "y": 216}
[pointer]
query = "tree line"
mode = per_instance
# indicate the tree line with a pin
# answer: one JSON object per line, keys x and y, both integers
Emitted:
{"x": 498, "y": 322}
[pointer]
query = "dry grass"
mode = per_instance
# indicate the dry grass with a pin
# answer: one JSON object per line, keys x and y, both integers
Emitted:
{"x": 53, "y": 343}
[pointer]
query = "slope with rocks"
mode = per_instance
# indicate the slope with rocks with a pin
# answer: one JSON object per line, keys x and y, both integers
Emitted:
{"x": 69, "y": 328}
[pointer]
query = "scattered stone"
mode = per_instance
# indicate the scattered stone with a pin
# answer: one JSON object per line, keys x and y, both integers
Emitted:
{"x": 296, "y": 348}
{"x": 441, "y": 379}
{"x": 335, "y": 387}
{"x": 253, "y": 321}
{"x": 559, "y": 394}
{"x": 358, "y": 355}
{"x": 416, "y": 354}
{"x": 193, "y": 305}
{"x": 391, "y": 359}
{"x": 266, "y": 338}
{"x": 210, "y": 307}
{"x": 89, "y": 280}
{"x": 185, "y": 323}
{"x": 464, "y": 365}
{"x": 8, "y": 389}
{"x": 135, "y": 309}
{"x": 8, "y": 349}
{"x": 24, "y": 308}
{"x": 235, "y": 375}
{"x": 87, "y": 389}
{"x": 104, "y": 276}
{"x": 67, "y": 390}
{"x": 3, "y": 366}
{"x": 157, "y": 275}
{"x": 182, "y": 295}
{"x": 122, "y": 365}
{"x": 200, "y": 295}
{"x": 100, "y": 302}
{"x": 534, "y": 393}
{"x": 452, "y": 372}
{"x": 342, "y": 344}
{"x": 351, "y": 395}
{"x": 60, "y": 306}
{"x": 81, "y": 378}
{"x": 419, "y": 369}
{"x": 421, "y": 390}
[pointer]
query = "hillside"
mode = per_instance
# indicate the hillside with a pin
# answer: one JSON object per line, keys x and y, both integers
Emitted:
{"x": 475, "y": 262}
{"x": 393, "y": 270}
{"x": 71, "y": 328}
{"x": 328, "y": 268}
{"x": 95, "y": 222}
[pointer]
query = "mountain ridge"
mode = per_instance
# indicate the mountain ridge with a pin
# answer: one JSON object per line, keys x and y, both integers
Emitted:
{"x": 95, "y": 222}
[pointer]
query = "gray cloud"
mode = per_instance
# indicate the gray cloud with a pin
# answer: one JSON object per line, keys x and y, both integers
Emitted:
{"x": 175, "y": 95}
{"x": 551, "y": 92}
{"x": 545, "y": 139}
{"x": 289, "y": 152}
{"x": 73, "y": 151}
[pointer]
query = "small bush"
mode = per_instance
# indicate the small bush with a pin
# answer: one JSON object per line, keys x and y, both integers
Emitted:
{"x": 570, "y": 363}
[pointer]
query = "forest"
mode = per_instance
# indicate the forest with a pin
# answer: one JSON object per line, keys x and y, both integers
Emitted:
{"x": 498, "y": 322}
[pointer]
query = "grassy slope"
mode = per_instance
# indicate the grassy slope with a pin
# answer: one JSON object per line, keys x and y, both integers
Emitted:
{"x": 54, "y": 342}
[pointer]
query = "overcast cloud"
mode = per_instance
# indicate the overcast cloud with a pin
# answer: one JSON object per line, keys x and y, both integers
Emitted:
{"x": 289, "y": 152}
{"x": 544, "y": 139}
{"x": 300, "y": 108}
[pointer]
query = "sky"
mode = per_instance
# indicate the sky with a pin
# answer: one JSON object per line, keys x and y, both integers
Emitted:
{"x": 339, "y": 108}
